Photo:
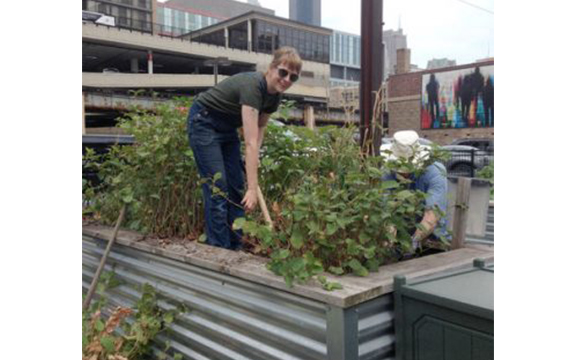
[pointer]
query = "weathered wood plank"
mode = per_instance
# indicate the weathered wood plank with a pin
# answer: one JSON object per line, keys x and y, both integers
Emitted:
{"x": 253, "y": 268}
{"x": 461, "y": 212}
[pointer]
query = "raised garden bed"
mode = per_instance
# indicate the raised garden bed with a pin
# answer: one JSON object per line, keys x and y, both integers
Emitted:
{"x": 240, "y": 310}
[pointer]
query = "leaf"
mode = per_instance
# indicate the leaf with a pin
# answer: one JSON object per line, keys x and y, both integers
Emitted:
{"x": 202, "y": 238}
{"x": 178, "y": 356}
{"x": 372, "y": 265}
{"x": 297, "y": 264}
{"x": 390, "y": 184}
{"x": 313, "y": 226}
{"x": 128, "y": 198}
{"x": 331, "y": 228}
{"x": 370, "y": 252}
{"x": 238, "y": 223}
{"x": 336, "y": 270}
{"x": 168, "y": 317}
{"x": 332, "y": 286}
{"x": 107, "y": 342}
{"x": 99, "y": 325}
{"x": 404, "y": 194}
{"x": 357, "y": 268}
{"x": 281, "y": 254}
{"x": 297, "y": 240}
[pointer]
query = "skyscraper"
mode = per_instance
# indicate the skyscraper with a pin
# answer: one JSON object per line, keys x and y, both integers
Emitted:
{"x": 306, "y": 11}
{"x": 393, "y": 40}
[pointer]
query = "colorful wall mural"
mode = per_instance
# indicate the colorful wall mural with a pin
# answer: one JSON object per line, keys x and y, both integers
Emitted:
{"x": 458, "y": 99}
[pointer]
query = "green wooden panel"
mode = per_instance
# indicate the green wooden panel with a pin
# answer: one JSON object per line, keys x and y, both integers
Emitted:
{"x": 428, "y": 341}
{"x": 482, "y": 348}
{"x": 457, "y": 344}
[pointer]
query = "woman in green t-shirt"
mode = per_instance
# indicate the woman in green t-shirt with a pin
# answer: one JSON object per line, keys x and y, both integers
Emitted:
{"x": 244, "y": 100}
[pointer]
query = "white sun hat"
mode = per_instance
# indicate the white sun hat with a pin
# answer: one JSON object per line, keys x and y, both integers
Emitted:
{"x": 405, "y": 145}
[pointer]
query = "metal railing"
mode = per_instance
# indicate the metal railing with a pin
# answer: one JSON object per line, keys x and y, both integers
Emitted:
{"x": 467, "y": 162}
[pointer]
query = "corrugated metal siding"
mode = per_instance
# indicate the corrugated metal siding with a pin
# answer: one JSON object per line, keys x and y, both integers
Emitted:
{"x": 489, "y": 236}
{"x": 229, "y": 318}
{"x": 376, "y": 329}
{"x": 234, "y": 319}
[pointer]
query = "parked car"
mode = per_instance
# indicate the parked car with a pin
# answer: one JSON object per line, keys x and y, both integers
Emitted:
{"x": 484, "y": 144}
{"x": 464, "y": 160}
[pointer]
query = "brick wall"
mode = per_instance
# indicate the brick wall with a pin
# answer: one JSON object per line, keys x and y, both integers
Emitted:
{"x": 404, "y": 96}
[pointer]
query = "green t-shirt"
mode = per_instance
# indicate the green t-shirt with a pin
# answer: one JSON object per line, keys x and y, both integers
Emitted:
{"x": 247, "y": 88}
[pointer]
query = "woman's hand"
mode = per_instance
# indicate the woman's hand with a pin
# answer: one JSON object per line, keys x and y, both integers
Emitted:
{"x": 250, "y": 200}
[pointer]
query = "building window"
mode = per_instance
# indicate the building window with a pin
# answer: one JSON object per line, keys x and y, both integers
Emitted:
{"x": 238, "y": 36}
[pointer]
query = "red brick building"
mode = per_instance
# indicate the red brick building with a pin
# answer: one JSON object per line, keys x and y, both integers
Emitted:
{"x": 462, "y": 109}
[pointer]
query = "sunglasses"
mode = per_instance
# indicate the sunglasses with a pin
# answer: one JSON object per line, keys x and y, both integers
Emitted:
{"x": 283, "y": 73}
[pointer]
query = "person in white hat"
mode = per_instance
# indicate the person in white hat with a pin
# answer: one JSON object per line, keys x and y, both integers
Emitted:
{"x": 432, "y": 181}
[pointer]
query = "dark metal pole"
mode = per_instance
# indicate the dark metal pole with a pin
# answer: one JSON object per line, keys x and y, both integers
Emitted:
{"x": 371, "y": 63}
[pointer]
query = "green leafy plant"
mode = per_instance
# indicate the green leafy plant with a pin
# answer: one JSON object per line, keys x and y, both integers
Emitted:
{"x": 157, "y": 175}
{"x": 487, "y": 172}
{"x": 332, "y": 210}
{"x": 126, "y": 334}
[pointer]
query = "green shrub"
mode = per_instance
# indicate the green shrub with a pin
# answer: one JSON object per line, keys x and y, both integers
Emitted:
{"x": 332, "y": 212}
{"x": 157, "y": 175}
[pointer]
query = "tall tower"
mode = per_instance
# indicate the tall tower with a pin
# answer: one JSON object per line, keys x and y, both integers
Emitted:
{"x": 393, "y": 40}
{"x": 306, "y": 11}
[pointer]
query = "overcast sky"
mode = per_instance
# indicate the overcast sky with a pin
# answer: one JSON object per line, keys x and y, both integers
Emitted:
{"x": 450, "y": 29}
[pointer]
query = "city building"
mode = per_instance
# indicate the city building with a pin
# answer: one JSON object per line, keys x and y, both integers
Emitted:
{"x": 306, "y": 11}
{"x": 393, "y": 40}
{"x": 440, "y": 63}
{"x": 119, "y": 63}
{"x": 128, "y": 14}
{"x": 263, "y": 33}
{"x": 344, "y": 59}
{"x": 179, "y": 17}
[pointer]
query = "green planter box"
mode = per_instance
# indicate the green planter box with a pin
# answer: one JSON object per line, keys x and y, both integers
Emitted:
{"x": 446, "y": 317}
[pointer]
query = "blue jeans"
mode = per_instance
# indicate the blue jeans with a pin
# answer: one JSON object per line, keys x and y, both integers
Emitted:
{"x": 216, "y": 149}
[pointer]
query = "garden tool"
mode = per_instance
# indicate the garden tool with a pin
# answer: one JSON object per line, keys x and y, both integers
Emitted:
{"x": 103, "y": 261}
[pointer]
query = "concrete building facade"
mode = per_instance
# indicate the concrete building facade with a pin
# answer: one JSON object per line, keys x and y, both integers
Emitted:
{"x": 405, "y": 103}
{"x": 129, "y": 14}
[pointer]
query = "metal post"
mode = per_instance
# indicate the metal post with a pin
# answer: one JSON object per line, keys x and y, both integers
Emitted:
{"x": 472, "y": 157}
{"x": 342, "y": 333}
{"x": 220, "y": 60}
{"x": 150, "y": 63}
{"x": 83, "y": 114}
{"x": 371, "y": 59}
{"x": 399, "y": 281}
{"x": 249, "y": 36}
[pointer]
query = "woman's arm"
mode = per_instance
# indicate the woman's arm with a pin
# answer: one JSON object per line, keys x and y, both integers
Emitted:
{"x": 252, "y": 144}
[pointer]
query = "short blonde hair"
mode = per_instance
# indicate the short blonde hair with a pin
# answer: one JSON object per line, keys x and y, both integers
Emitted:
{"x": 289, "y": 56}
